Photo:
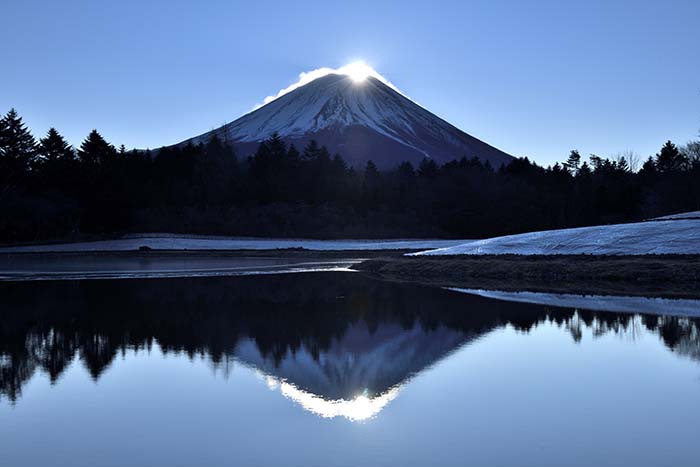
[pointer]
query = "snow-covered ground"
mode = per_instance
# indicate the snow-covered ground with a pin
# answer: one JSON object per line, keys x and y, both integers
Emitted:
{"x": 680, "y": 236}
{"x": 185, "y": 242}
{"x": 612, "y": 303}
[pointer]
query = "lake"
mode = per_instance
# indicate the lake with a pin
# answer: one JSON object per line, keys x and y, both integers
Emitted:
{"x": 336, "y": 369}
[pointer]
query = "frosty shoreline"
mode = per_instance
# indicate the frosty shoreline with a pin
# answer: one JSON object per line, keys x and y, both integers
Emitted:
{"x": 194, "y": 242}
{"x": 94, "y": 266}
{"x": 610, "y": 303}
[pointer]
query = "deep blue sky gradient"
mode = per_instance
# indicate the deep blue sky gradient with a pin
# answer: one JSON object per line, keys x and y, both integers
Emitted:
{"x": 532, "y": 78}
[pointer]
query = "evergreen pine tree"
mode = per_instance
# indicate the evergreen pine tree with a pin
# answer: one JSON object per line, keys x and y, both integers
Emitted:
{"x": 371, "y": 179}
{"x": 214, "y": 149}
{"x": 427, "y": 168}
{"x": 312, "y": 150}
{"x": 596, "y": 162}
{"x": 584, "y": 170}
{"x": 53, "y": 149}
{"x": 339, "y": 164}
{"x": 573, "y": 162}
{"x": 3, "y": 130}
{"x": 56, "y": 162}
{"x": 405, "y": 170}
{"x": 95, "y": 151}
{"x": 324, "y": 157}
{"x": 277, "y": 147}
{"x": 215, "y": 170}
{"x": 669, "y": 158}
{"x": 293, "y": 154}
{"x": 622, "y": 164}
{"x": 649, "y": 167}
{"x": 17, "y": 145}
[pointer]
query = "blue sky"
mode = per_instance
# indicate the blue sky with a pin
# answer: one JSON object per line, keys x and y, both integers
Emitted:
{"x": 532, "y": 78}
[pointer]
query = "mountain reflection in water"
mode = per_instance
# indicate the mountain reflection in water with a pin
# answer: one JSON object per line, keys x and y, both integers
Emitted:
{"x": 337, "y": 344}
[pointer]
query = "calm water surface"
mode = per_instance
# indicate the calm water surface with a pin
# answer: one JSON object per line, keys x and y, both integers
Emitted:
{"x": 324, "y": 369}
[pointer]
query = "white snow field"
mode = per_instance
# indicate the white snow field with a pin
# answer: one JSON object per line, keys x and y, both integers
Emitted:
{"x": 613, "y": 303}
{"x": 190, "y": 242}
{"x": 681, "y": 236}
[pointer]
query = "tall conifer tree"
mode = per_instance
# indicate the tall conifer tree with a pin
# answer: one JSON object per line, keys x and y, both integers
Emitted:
{"x": 53, "y": 148}
{"x": 95, "y": 151}
{"x": 17, "y": 145}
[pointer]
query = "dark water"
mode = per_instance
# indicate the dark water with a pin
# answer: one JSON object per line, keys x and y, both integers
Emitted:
{"x": 325, "y": 369}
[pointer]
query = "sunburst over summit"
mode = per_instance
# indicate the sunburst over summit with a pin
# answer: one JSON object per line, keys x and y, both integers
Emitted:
{"x": 358, "y": 71}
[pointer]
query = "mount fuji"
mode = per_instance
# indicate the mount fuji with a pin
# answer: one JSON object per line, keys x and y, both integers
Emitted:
{"x": 362, "y": 120}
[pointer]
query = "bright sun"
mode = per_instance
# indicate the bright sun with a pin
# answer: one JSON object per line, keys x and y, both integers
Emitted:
{"x": 357, "y": 71}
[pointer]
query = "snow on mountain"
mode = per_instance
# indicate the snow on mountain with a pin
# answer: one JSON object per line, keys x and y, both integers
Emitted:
{"x": 361, "y": 361}
{"x": 360, "y": 372}
{"x": 361, "y": 120}
{"x": 680, "y": 236}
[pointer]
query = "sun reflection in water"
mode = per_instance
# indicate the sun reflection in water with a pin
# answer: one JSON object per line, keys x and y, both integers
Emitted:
{"x": 360, "y": 408}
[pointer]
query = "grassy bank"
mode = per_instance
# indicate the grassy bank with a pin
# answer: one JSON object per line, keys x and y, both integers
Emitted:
{"x": 663, "y": 275}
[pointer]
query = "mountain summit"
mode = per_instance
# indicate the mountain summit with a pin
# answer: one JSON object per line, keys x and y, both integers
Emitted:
{"x": 361, "y": 120}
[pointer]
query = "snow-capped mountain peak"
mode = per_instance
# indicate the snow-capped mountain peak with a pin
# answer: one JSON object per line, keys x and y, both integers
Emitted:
{"x": 333, "y": 100}
{"x": 360, "y": 116}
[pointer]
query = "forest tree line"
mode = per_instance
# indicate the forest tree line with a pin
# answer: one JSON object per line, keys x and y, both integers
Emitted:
{"x": 281, "y": 314}
{"x": 49, "y": 190}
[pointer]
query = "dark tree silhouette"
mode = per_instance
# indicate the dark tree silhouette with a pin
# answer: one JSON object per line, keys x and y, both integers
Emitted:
{"x": 428, "y": 168}
{"x": 573, "y": 162}
{"x": 53, "y": 149}
{"x": 95, "y": 151}
{"x": 48, "y": 191}
{"x": 670, "y": 158}
{"x": 17, "y": 151}
{"x": 17, "y": 145}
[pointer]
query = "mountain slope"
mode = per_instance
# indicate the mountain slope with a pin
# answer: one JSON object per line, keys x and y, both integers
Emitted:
{"x": 361, "y": 121}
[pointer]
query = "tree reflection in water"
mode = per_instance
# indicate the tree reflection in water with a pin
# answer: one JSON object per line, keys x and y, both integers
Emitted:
{"x": 337, "y": 343}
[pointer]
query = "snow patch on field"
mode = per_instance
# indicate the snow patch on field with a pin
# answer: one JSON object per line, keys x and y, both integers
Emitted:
{"x": 680, "y": 236}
